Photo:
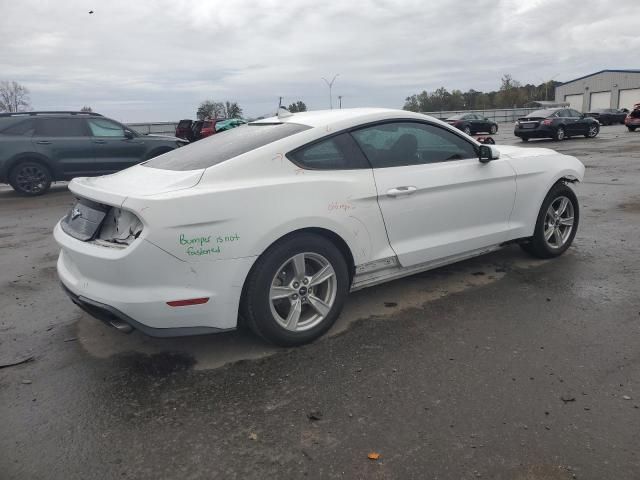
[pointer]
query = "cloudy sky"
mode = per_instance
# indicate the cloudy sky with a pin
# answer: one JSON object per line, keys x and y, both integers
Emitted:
{"x": 156, "y": 60}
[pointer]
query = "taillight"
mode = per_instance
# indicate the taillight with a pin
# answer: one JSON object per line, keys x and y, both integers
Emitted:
{"x": 548, "y": 121}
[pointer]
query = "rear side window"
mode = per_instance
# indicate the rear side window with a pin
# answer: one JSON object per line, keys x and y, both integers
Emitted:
{"x": 336, "y": 153}
{"x": 20, "y": 128}
{"x": 224, "y": 146}
{"x": 61, "y": 127}
{"x": 105, "y": 128}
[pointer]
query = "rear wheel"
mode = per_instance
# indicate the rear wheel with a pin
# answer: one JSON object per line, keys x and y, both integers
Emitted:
{"x": 467, "y": 129}
{"x": 556, "y": 224}
{"x": 631, "y": 129}
{"x": 560, "y": 134}
{"x": 593, "y": 131}
{"x": 30, "y": 178}
{"x": 296, "y": 291}
{"x": 493, "y": 130}
{"x": 525, "y": 139}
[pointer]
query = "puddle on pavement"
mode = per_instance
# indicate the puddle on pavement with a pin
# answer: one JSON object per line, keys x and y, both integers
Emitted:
{"x": 383, "y": 302}
{"x": 157, "y": 364}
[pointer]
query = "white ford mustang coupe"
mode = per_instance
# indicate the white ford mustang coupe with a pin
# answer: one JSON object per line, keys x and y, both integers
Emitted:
{"x": 271, "y": 224}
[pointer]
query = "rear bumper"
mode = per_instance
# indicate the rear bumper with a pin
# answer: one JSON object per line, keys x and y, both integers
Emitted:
{"x": 130, "y": 287}
{"x": 124, "y": 323}
{"x": 538, "y": 132}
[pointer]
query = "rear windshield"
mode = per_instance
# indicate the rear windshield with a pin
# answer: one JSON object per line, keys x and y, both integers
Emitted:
{"x": 542, "y": 113}
{"x": 223, "y": 146}
{"x": 184, "y": 123}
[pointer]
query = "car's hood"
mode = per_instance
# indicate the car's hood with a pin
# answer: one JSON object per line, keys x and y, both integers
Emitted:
{"x": 514, "y": 152}
{"x": 137, "y": 181}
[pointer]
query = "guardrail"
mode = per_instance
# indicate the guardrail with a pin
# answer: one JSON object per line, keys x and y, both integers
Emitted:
{"x": 499, "y": 115}
{"x": 159, "y": 128}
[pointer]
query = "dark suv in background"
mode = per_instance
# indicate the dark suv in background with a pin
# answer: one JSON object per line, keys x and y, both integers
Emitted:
{"x": 37, "y": 148}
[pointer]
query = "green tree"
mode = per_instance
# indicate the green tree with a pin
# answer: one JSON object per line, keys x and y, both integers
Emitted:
{"x": 298, "y": 106}
{"x": 86, "y": 108}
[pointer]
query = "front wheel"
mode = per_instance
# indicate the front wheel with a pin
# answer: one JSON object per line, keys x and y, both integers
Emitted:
{"x": 524, "y": 139}
{"x": 593, "y": 131}
{"x": 556, "y": 224}
{"x": 296, "y": 290}
{"x": 467, "y": 129}
{"x": 30, "y": 178}
{"x": 493, "y": 130}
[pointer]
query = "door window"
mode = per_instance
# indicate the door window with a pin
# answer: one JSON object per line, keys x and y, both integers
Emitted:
{"x": 23, "y": 128}
{"x": 105, "y": 128}
{"x": 410, "y": 143}
{"x": 60, "y": 127}
{"x": 573, "y": 113}
{"x": 335, "y": 153}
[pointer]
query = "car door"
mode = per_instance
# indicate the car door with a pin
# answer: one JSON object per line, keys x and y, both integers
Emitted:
{"x": 576, "y": 122}
{"x": 66, "y": 143}
{"x": 436, "y": 198}
{"x": 114, "y": 150}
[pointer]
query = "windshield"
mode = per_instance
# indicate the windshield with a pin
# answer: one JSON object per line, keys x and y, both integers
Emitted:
{"x": 224, "y": 146}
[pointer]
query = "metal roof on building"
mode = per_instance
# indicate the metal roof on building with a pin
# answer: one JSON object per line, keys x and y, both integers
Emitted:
{"x": 601, "y": 71}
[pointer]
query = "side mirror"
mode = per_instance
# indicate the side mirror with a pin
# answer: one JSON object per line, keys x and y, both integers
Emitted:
{"x": 486, "y": 153}
{"x": 128, "y": 134}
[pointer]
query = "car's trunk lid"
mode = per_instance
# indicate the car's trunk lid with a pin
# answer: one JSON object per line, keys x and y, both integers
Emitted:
{"x": 137, "y": 181}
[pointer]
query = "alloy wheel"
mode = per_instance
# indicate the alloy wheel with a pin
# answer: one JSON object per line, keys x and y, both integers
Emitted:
{"x": 558, "y": 222}
{"x": 593, "y": 131}
{"x": 303, "y": 291}
{"x": 31, "y": 179}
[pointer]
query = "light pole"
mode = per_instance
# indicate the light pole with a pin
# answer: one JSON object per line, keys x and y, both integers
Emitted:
{"x": 340, "y": 102}
{"x": 330, "y": 85}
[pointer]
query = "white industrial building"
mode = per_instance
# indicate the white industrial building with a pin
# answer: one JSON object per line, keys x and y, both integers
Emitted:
{"x": 603, "y": 89}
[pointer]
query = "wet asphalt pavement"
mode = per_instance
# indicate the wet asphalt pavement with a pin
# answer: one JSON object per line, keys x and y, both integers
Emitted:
{"x": 502, "y": 367}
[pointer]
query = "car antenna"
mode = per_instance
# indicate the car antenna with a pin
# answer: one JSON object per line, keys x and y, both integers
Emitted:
{"x": 283, "y": 112}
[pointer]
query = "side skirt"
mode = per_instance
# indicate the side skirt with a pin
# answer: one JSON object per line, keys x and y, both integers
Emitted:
{"x": 387, "y": 269}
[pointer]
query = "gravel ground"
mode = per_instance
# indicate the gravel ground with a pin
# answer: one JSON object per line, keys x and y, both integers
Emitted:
{"x": 502, "y": 367}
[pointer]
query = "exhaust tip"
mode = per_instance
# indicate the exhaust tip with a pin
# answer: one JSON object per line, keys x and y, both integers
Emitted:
{"x": 121, "y": 326}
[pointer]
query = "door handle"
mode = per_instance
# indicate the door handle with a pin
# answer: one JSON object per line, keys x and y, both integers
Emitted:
{"x": 99, "y": 141}
{"x": 400, "y": 191}
{"x": 43, "y": 142}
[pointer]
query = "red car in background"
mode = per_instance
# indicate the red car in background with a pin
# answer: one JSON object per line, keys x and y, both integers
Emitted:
{"x": 633, "y": 119}
{"x": 209, "y": 126}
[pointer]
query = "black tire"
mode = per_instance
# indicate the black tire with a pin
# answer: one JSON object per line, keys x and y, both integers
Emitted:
{"x": 631, "y": 129}
{"x": 593, "y": 133}
{"x": 467, "y": 129}
{"x": 30, "y": 178}
{"x": 560, "y": 134}
{"x": 537, "y": 245}
{"x": 256, "y": 307}
{"x": 524, "y": 139}
{"x": 493, "y": 130}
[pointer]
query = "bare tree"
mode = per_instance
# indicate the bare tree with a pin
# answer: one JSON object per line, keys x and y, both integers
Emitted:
{"x": 86, "y": 108}
{"x": 232, "y": 110}
{"x": 13, "y": 97}
{"x": 210, "y": 109}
